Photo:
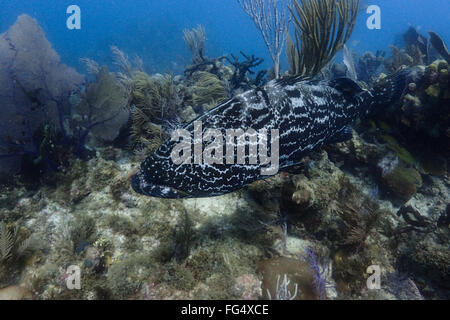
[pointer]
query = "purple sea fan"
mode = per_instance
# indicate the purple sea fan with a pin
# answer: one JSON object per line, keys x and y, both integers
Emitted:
{"x": 38, "y": 124}
{"x": 33, "y": 86}
{"x": 319, "y": 270}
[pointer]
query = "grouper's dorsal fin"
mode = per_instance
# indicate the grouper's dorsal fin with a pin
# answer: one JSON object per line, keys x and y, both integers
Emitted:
{"x": 346, "y": 85}
{"x": 291, "y": 80}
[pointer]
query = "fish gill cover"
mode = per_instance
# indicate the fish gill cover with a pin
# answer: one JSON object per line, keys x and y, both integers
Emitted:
{"x": 306, "y": 144}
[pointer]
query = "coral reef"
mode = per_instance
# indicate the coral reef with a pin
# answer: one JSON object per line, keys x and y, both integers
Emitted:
{"x": 195, "y": 40}
{"x": 222, "y": 77}
{"x": 379, "y": 199}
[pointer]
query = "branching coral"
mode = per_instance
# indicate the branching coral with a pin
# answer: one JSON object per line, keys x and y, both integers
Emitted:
{"x": 92, "y": 66}
{"x": 242, "y": 69}
{"x": 121, "y": 60}
{"x": 282, "y": 290}
{"x": 271, "y": 19}
{"x": 156, "y": 96}
{"x": 127, "y": 70}
{"x": 322, "y": 27}
{"x": 152, "y": 101}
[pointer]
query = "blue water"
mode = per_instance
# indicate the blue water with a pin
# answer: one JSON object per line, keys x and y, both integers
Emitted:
{"x": 153, "y": 29}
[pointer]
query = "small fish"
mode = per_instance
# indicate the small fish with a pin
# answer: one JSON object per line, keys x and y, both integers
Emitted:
{"x": 307, "y": 113}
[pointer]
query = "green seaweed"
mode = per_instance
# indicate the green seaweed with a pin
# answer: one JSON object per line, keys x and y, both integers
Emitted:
{"x": 154, "y": 99}
{"x": 400, "y": 151}
{"x": 207, "y": 90}
{"x": 178, "y": 276}
{"x": 83, "y": 230}
{"x": 433, "y": 91}
{"x": 125, "y": 277}
{"x": 403, "y": 182}
{"x": 183, "y": 238}
{"x": 120, "y": 224}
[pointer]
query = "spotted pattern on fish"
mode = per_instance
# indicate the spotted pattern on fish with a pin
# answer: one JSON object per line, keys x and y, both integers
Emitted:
{"x": 307, "y": 113}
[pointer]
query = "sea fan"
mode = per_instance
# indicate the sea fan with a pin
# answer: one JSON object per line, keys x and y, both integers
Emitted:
{"x": 320, "y": 271}
{"x": 7, "y": 240}
{"x": 9, "y": 246}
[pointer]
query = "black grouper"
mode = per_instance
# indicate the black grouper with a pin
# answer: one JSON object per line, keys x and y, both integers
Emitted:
{"x": 307, "y": 113}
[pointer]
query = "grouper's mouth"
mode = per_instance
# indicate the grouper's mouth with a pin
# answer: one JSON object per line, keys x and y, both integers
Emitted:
{"x": 142, "y": 186}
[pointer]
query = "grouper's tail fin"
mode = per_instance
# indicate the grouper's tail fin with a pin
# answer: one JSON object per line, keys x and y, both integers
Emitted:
{"x": 389, "y": 90}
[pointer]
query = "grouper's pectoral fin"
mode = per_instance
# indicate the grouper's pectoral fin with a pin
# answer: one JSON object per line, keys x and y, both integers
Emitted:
{"x": 349, "y": 88}
{"x": 342, "y": 136}
{"x": 346, "y": 85}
